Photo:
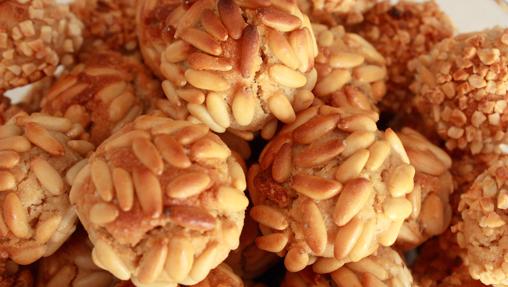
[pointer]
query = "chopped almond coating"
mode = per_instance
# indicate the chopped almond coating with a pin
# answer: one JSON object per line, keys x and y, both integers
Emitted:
{"x": 482, "y": 228}
{"x": 230, "y": 64}
{"x": 72, "y": 265}
{"x": 248, "y": 261}
{"x": 103, "y": 93}
{"x": 350, "y": 71}
{"x": 109, "y": 22}
{"x": 461, "y": 90}
{"x": 38, "y": 161}
{"x": 12, "y": 274}
{"x": 330, "y": 188}
{"x": 162, "y": 201}
{"x": 35, "y": 37}
{"x": 432, "y": 212}
{"x": 401, "y": 32}
{"x": 385, "y": 268}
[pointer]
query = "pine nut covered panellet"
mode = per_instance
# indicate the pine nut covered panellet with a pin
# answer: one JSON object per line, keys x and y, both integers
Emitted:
{"x": 461, "y": 89}
{"x": 330, "y": 189}
{"x": 109, "y": 22}
{"x": 401, "y": 32}
{"x": 239, "y": 65}
{"x": 39, "y": 158}
{"x": 72, "y": 265}
{"x": 385, "y": 268}
{"x": 102, "y": 93}
{"x": 434, "y": 184}
{"x": 35, "y": 37}
{"x": 482, "y": 230}
{"x": 162, "y": 202}
{"x": 350, "y": 71}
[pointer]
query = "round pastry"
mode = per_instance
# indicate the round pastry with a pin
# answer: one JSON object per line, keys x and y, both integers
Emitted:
{"x": 350, "y": 71}
{"x": 162, "y": 201}
{"x": 230, "y": 64}
{"x": 72, "y": 265}
{"x": 248, "y": 261}
{"x": 482, "y": 228}
{"x": 35, "y": 37}
{"x": 434, "y": 184}
{"x": 384, "y": 269}
{"x": 109, "y": 22}
{"x": 461, "y": 89}
{"x": 401, "y": 32}
{"x": 102, "y": 93}
{"x": 12, "y": 275}
{"x": 38, "y": 161}
{"x": 330, "y": 188}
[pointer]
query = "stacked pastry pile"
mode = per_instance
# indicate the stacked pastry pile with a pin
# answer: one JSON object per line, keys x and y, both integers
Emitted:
{"x": 251, "y": 143}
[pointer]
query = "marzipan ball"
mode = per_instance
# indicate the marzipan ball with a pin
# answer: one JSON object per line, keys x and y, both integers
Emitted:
{"x": 38, "y": 162}
{"x": 35, "y": 37}
{"x": 230, "y": 64}
{"x": 162, "y": 202}
{"x": 461, "y": 90}
{"x": 330, "y": 189}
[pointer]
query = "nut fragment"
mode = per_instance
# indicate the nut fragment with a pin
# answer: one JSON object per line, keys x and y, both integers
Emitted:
{"x": 161, "y": 210}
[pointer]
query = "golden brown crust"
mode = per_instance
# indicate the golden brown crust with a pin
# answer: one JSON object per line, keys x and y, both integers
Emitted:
{"x": 401, "y": 32}
{"x": 351, "y": 72}
{"x": 460, "y": 89}
{"x": 162, "y": 201}
{"x": 330, "y": 188}
{"x": 385, "y": 268}
{"x": 434, "y": 184}
{"x": 103, "y": 93}
{"x": 346, "y": 12}
{"x": 35, "y": 37}
{"x": 39, "y": 159}
{"x": 230, "y": 64}
{"x": 72, "y": 265}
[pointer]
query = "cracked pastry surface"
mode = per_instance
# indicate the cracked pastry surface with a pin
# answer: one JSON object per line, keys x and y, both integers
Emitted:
{"x": 432, "y": 212}
{"x": 238, "y": 65}
{"x": 385, "y": 268}
{"x": 162, "y": 201}
{"x": 39, "y": 158}
{"x": 350, "y": 71}
{"x": 102, "y": 93}
{"x": 35, "y": 37}
{"x": 460, "y": 89}
{"x": 330, "y": 188}
{"x": 401, "y": 32}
